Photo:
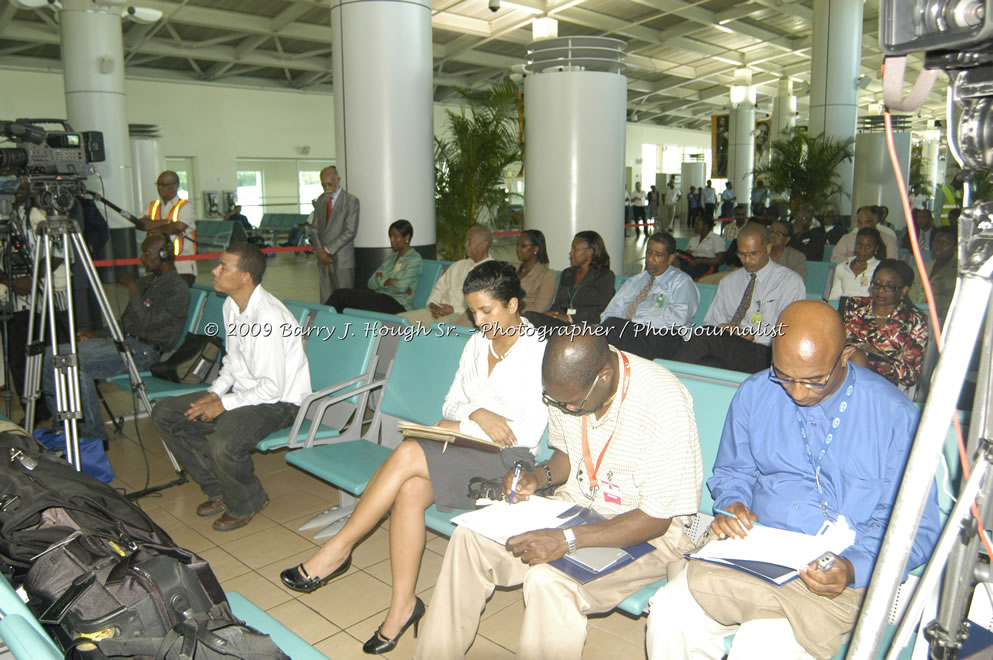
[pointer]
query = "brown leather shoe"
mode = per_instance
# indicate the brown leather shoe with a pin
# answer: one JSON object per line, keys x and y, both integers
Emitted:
{"x": 227, "y": 522}
{"x": 211, "y": 508}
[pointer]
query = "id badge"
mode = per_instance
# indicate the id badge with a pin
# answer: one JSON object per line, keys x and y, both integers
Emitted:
{"x": 757, "y": 318}
{"x": 611, "y": 492}
{"x": 570, "y": 311}
{"x": 660, "y": 301}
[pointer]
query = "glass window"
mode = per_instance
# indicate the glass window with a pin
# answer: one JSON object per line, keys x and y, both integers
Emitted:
{"x": 309, "y": 185}
{"x": 250, "y": 195}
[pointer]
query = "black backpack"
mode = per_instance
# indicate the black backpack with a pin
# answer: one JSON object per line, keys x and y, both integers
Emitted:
{"x": 103, "y": 578}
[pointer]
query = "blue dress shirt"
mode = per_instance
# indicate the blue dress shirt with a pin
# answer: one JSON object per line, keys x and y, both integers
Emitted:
{"x": 763, "y": 462}
{"x": 672, "y": 300}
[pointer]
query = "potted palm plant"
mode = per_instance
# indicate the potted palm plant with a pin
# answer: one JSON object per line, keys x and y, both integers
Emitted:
{"x": 803, "y": 169}
{"x": 483, "y": 139}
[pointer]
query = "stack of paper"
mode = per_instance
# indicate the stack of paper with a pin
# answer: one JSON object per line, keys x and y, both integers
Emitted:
{"x": 503, "y": 520}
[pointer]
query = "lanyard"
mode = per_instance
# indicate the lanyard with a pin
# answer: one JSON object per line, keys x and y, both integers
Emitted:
{"x": 815, "y": 463}
{"x": 591, "y": 471}
{"x": 574, "y": 291}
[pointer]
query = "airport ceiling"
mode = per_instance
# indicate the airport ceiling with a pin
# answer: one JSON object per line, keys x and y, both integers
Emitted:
{"x": 681, "y": 54}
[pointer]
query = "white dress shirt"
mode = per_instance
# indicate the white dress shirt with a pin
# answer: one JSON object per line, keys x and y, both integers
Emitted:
{"x": 847, "y": 283}
{"x": 512, "y": 390}
{"x": 708, "y": 247}
{"x": 672, "y": 300}
{"x": 448, "y": 289}
{"x": 845, "y": 249}
{"x": 267, "y": 367}
{"x": 775, "y": 287}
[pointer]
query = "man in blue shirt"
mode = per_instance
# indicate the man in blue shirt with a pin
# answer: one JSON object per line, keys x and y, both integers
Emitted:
{"x": 654, "y": 306}
{"x": 812, "y": 439}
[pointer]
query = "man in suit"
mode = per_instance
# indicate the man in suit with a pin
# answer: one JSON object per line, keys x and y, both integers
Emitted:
{"x": 332, "y": 227}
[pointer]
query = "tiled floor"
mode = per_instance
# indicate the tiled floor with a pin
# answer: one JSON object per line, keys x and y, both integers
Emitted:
{"x": 338, "y": 618}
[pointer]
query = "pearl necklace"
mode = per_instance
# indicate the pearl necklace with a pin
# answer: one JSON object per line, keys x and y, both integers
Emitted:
{"x": 498, "y": 358}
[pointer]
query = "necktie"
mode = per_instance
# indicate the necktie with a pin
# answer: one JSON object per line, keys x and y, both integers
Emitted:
{"x": 640, "y": 298}
{"x": 330, "y": 208}
{"x": 746, "y": 302}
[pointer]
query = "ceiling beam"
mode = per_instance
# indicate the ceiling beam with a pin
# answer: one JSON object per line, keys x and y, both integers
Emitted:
{"x": 291, "y": 14}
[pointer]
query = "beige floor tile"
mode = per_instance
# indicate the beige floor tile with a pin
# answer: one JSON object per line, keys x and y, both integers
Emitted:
{"x": 438, "y": 545}
{"x": 271, "y": 571}
{"x": 224, "y": 565}
{"x": 342, "y": 646}
{"x": 504, "y": 627}
{"x": 601, "y": 644}
{"x": 185, "y": 510}
{"x": 302, "y": 620}
{"x": 501, "y": 598}
{"x": 186, "y": 537}
{"x": 316, "y": 487}
{"x": 373, "y": 549}
{"x": 622, "y": 625}
{"x": 486, "y": 649}
{"x": 293, "y": 504}
{"x": 350, "y": 599}
{"x": 257, "y": 589}
{"x": 428, "y": 575}
{"x": 264, "y": 547}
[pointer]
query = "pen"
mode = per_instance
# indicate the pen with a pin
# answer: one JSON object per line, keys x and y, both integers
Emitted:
{"x": 513, "y": 484}
{"x": 731, "y": 515}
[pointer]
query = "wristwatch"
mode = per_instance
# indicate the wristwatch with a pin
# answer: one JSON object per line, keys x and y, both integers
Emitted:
{"x": 570, "y": 538}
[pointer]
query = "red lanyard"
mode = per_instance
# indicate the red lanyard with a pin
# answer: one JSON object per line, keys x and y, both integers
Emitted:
{"x": 587, "y": 458}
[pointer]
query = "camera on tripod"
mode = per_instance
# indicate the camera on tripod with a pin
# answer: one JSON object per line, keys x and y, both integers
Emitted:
{"x": 42, "y": 153}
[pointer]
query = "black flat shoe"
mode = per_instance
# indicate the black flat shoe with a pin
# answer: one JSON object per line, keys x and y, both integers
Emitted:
{"x": 378, "y": 644}
{"x": 294, "y": 577}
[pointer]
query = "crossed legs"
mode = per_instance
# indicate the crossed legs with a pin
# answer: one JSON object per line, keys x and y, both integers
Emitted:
{"x": 402, "y": 484}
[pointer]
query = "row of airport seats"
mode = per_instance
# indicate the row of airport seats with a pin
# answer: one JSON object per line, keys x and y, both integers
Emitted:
{"x": 26, "y": 639}
{"x": 412, "y": 388}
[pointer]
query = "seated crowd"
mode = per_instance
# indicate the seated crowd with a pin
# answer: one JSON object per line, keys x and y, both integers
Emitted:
{"x": 594, "y": 391}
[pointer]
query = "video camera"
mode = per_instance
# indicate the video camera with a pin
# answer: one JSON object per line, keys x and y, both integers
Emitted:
{"x": 54, "y": 154}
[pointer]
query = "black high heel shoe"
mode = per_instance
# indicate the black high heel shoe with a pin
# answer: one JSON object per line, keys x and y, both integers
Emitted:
{"x": 378, "y": 644}
{"x": 295, "y": 579}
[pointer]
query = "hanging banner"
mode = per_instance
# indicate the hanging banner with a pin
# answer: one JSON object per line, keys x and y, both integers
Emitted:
{"x": 720, "y": 128}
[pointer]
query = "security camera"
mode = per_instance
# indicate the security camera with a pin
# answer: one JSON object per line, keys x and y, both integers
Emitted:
{"x": 142, "y": 14}
{"x": 494, "y": 5}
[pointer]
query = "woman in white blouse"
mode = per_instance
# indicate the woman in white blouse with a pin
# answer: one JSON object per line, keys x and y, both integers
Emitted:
{"x": 852, "y": 278}
{"x": 497, "y": 395}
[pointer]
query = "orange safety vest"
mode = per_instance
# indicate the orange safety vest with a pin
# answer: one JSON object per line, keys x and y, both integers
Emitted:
{"x": 153, "y": 213}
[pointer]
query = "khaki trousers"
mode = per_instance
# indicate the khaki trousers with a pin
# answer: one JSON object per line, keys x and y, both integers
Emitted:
{"x": 423, "y": 315}
{"x": 555, "y": 605}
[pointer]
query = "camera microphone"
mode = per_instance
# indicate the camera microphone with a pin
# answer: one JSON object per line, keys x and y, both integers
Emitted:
{"x": 97, "y": 197}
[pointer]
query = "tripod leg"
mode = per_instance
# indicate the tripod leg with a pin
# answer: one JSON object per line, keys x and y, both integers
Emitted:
{"x": 118, "y": 423}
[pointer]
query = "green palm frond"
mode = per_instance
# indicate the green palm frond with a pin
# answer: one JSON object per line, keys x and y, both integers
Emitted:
{"x": 482, "y": 141}
{"x": 803, "y": 169}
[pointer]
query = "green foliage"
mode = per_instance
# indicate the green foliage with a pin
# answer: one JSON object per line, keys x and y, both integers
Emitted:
{"x": 981, "y": 186}
{"x": 483, "y": 140}
{"x": 803, "y": 169}
{"x": 918, "y": 179}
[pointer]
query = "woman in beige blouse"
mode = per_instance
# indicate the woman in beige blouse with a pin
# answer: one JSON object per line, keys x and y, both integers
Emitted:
{"x": 537, "y": 280}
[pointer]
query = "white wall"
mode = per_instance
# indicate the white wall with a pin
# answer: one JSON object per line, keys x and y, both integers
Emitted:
{"x": 216, "y": 125}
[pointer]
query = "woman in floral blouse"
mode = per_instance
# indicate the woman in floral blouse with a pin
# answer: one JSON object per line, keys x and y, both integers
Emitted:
{"x": 889, "y": 331}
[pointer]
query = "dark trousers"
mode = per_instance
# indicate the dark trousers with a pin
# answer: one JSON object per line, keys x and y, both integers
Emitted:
{"x": 725, "y": 352}
{"x": 709, "y": 210}
{"x": 540, "y": 320}
{"x": 643, "y": 340}
{"x": 217, "y": 455}
{"x": 364, "y": 299}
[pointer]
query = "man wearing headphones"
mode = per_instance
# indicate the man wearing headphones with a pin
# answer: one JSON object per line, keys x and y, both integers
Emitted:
{"x": 152, "y": 323}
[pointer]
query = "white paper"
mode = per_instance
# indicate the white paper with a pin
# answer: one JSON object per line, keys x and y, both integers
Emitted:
{"x": 503, "y": 520}
{"x": 776, "y": 546}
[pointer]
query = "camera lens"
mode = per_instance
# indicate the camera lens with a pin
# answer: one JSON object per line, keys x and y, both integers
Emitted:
{"x": 12, "y": 159}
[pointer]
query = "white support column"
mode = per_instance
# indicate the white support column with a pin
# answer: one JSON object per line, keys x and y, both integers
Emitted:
{"x": 930, "y": 150}
{"x": 384, "y": 148}
{"x": 93, "y": 62}
{"x": 834, "y": 62}
{"x": 574, "y": 161}
{"x": 741, "y": 137}
{"x": 783, "y": 111}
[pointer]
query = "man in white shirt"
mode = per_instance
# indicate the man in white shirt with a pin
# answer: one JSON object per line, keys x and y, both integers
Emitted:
{"x": 743, "y": 318}
{"x": 264, "y": 379}
{"x": 658, "y": 302}
{"x": 670, "y": 197}
{"x": 920, "y": 199}
{"x": 175, "y": 217}
{"x": 728, "y": 199}
{"x": 446, "y": 304}
{"x": 639, "y": 201}
{"x": 709, "y": 200}
{"x": 866, "y": 216}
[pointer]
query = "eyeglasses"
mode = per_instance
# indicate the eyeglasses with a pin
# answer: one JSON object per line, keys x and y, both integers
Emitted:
{"x": 564, "y": 407}
{"x": 888, "y": 288}
{"x": 780, "y": 233}
{"x": 163, "y": 184}
{"x": 819, "y": 384}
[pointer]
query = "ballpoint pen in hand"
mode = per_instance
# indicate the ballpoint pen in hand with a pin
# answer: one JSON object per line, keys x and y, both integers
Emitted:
{"x": 513, "y": 484}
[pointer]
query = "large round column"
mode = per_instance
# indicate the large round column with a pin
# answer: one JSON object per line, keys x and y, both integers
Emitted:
{"x": 741, "y": 153}
{"x": 384, "y": 144}
{"x": 874, "y": 180}
{"x": 574, "y": 110}
{"x": 783, "y": 111}
{"x": 930, "y": 152}
{"x": 147, "y": 162}
{"x": 834, "y": 72}
{"x": 93, "y": 62}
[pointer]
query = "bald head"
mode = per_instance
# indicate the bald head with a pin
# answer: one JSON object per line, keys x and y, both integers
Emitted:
{"x": 573, "y": 361}
{"x": 754, "y": 229}
{"x": 810, "y": 349}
